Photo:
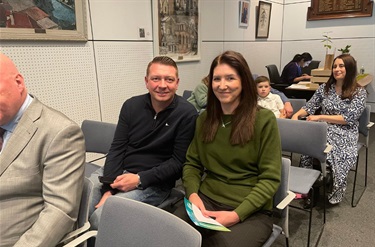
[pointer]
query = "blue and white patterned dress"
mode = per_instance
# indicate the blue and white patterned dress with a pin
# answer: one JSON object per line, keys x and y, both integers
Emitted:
{"x": 343, "y": 138}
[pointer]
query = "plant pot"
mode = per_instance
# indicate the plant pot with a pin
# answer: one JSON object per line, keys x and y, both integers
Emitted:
{"x": 328, "y": 61}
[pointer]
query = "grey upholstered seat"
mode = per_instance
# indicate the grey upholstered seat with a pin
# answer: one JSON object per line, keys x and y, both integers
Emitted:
{"x": 126, "y": 222}
{"x": 297, "y": 104}
{"x": 308, "y": 138}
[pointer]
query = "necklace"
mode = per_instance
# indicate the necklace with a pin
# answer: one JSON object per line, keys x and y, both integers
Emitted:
{"x": 225, "y": 124}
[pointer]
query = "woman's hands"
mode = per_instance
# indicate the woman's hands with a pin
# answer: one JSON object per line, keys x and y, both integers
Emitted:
{"x": 226, "y": 218}
{"x": 197, "y": 201}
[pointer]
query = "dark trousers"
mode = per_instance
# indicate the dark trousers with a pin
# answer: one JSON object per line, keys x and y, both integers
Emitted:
{"x": 253, "y": 231}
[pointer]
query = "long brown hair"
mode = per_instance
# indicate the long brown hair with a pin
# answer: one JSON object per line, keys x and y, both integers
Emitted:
{"x": 243, "y": 120}
{"x": 350, "y": 85}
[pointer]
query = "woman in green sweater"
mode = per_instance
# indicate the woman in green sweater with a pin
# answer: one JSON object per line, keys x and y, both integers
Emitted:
{"x": 237, "y": 145}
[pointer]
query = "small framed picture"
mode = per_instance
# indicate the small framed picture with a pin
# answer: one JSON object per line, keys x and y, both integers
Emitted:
{"x": 244, "y": 13}
{"x": 263, "y": 19}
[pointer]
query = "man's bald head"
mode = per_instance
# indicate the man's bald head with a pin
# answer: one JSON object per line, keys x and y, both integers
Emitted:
{"x": 12, "y": 90}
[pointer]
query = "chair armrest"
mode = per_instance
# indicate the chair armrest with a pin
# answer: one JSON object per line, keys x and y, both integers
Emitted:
{"x": 81, "y": 239}
{"x": 328, "y": 149}
{"x": 68, "y": 237}
{"x": 285, "y": 202}
{"x": 370, "y": 124}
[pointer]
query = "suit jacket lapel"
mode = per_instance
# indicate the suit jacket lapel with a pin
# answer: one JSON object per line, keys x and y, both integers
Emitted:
{"x": 22, "y": 135}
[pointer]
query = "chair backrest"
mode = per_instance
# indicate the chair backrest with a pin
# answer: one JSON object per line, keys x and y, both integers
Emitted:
{"x": 98, "y": 135}
{"x": 313, "y": 65}
{"x": 125, "y": 222}
{"x": 283, "y": 214}
{"x": 297, "y": 104}
{"x": 364, "y": 121}
{"x": 282, "y": 192}
{"x": 186, "y": 94}
{"x": 304, "y": 137}
{"x": 273, "y": 73}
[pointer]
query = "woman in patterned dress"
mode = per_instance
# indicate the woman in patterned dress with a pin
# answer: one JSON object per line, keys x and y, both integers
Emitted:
{"x": 342, "y": 102}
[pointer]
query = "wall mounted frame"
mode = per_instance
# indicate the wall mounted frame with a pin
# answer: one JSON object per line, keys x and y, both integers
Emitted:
{"x": 263, "y": 19}
{"x": 335, "y": 9}
{"x": 49, "y": 20}
{"x": 244, "y": 13}
{"x": 176, "y": 29}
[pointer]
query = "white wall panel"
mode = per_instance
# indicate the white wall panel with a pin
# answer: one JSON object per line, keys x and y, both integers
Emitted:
{"x": 260, "y": 54}
{"x": 61, "y": 75}
{"x": 212, "y": 19}
{"x": 121, "y": 68}
{"x": 121, "y": 19}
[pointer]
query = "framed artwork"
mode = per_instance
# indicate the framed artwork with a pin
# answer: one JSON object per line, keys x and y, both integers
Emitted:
{"x": 263, "y": 19}
{"x": 244, "y": 13}
{"x": 176, "y": 29}
{"x": 43, "y": 20}
{"x": 335, "y": 9}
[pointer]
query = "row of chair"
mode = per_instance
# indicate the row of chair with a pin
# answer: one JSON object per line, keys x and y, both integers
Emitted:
{"x": 311, "y": 140}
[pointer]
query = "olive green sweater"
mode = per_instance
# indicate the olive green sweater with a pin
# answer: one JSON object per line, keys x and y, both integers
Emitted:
{"x": 244, "y": 177}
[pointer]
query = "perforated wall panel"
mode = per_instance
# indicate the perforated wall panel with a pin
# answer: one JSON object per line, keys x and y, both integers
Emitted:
{"x": 61, "y": 75}
{"x": 121, "y": 68}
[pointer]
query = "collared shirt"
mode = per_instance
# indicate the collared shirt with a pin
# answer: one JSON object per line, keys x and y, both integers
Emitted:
{"x": 272, "y": 102}
{"x": 9, "y": 127}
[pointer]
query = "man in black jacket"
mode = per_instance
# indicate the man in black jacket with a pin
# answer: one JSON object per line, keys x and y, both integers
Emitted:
{"x": 148, "y": 151}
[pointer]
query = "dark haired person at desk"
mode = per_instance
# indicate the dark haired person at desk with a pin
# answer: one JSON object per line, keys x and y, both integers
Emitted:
{"x": 237, "y": 144}
{"x": 342, "y": 102}
{"x": 292, "y": 72}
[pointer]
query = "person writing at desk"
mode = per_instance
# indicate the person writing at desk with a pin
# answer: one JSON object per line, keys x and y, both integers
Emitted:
{"x": 237, "y": 144}
{"x": 292, "y": 72}
{"x": 342, "y": 102}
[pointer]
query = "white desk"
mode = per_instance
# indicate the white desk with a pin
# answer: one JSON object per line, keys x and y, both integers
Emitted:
{"x": 304, "y": 86}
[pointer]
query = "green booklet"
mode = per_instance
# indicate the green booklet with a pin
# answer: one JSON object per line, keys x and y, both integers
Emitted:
{"x": 197, "y": 217}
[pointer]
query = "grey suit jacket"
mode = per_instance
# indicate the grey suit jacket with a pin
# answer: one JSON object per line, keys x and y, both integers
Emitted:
{"x": 41, "y": 178}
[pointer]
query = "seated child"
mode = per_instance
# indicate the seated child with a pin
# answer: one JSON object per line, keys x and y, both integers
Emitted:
{"x": 267, "y": 99}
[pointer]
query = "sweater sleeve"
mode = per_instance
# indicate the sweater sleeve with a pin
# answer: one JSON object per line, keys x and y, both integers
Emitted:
{"x": 269, "y": 166}
{"x": 113, "y": 166}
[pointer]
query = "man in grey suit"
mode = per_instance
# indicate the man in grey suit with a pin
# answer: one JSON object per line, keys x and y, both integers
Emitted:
{"x": 41, "y": 166}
